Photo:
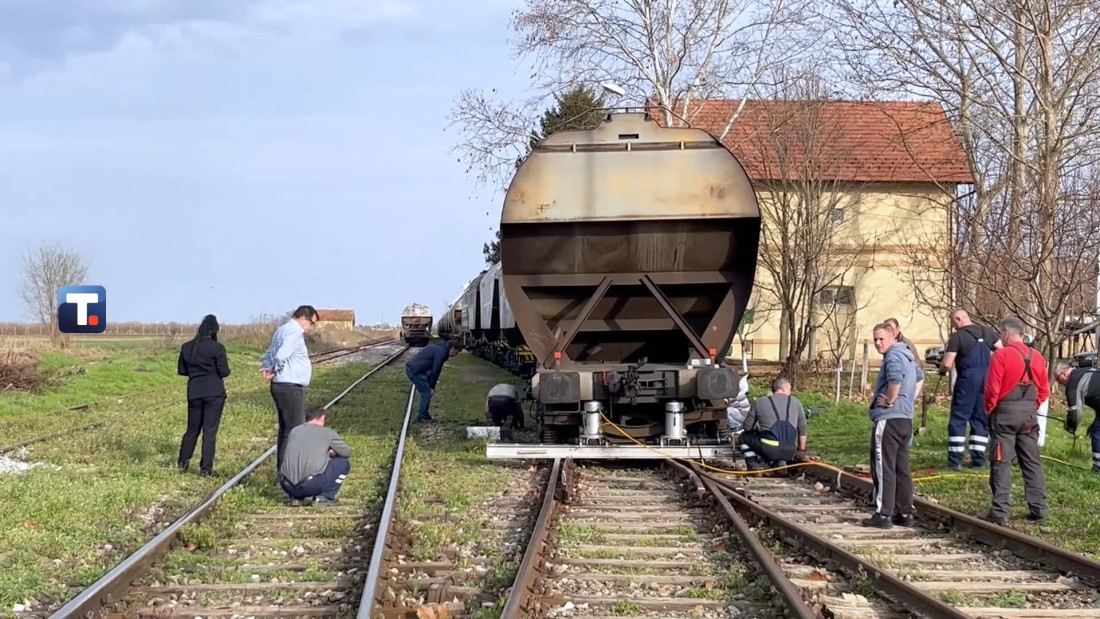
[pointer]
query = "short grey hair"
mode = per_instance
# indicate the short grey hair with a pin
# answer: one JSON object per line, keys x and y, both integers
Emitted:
{"x": 1013, "y": 324}
{"x": 1061, "y": 366}
{"x": 779, "y": 383}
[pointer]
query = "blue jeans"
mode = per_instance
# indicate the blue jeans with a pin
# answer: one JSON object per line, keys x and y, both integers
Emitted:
{"x": 326, "y": 483}
{"x": 420, "y": 381}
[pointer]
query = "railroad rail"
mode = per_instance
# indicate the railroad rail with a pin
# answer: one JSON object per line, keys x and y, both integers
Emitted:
{"x": 115, "y": 594}
{"x": 338, "y": 353}
{"x": 951, "y": 565}
{"x": 629, "y": 541}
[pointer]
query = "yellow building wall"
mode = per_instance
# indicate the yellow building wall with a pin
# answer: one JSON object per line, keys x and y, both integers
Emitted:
{"x": 889, "y": 237}
{"x": 344, "y": 325}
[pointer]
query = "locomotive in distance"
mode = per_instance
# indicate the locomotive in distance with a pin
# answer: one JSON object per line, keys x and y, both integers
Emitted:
{"x": 416, "y": 325}
{"x": 628, "y": 254}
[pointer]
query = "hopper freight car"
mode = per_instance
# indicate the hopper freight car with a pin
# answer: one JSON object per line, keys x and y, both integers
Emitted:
{"x": 416, "y": 325}
{"x": 450, "y": 323}
{"x": 628, "y": 254}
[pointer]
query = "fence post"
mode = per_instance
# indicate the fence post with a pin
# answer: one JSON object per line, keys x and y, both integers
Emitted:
{"x": 863, "y": 372}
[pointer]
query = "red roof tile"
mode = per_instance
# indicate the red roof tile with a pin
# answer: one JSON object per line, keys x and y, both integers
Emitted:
{"x": 876, "y": 141}
{"x": 335, "y": 315}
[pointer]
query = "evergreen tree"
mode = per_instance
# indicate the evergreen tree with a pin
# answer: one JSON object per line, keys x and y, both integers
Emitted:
{"x": 578, "y": 108}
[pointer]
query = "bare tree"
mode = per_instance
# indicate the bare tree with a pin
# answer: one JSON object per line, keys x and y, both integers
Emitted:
{"x": 45, "y": 271}
{"x": 1022, "y": 83}
{"x": 667, "y": 53}
{"x": 795, "y": 150}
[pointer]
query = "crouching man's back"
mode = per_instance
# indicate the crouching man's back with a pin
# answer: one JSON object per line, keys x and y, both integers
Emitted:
{"x": 316, "y": 462}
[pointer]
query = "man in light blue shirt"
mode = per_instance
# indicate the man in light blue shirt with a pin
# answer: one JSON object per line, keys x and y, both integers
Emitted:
{"x": 286, "y": 365}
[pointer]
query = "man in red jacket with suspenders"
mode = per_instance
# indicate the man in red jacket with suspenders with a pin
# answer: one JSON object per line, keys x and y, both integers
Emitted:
{"x": 1015, "y": 385}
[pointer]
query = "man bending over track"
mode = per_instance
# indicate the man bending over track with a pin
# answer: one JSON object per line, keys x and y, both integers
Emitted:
{"x": 423, "y": 371}
{"x": 316, "y": 462}
{"x": 775, "y": 429}
{"x": 1082, "y": 389}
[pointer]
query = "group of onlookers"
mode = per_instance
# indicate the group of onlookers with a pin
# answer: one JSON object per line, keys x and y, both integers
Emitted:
{"x": 1001, "y": 383}
{"x": 312, "y": 460}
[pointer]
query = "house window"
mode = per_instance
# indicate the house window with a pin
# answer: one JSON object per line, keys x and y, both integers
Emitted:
{"x": 746, "y": 348}
{"x": 839, "y": 296}
{"x": 837, "y": 216}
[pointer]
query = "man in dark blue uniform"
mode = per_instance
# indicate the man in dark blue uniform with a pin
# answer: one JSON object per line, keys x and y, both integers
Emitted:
{"x": 1082, "y": 389}
{"x": 423, "y": 371}
{"x": 969, "y": 350}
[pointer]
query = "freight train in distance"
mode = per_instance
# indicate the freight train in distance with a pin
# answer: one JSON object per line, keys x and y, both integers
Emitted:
{"x": 628, "y": 255}
{"x": 416, "y": 325}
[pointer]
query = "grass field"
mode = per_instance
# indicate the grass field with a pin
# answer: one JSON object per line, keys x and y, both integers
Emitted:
{"x": 99, "y": 495}
{"x": 841, "y": 436}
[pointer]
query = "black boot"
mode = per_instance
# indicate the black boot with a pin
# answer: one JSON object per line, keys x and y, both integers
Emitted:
{"x": 877, "y": 520}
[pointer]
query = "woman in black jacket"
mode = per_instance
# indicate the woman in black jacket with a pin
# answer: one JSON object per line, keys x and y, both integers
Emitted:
{"x": 204, "y": 362}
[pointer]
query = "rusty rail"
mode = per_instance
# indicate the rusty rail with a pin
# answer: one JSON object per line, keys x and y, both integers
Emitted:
{"x": 884, "y": 581}
{"x": 1021, "y": 545}
{"x": 114, "y": 583}
{"x": 793, "y": 603}
{"x": 370, "y": 587}
{"x": 527, "y": 576}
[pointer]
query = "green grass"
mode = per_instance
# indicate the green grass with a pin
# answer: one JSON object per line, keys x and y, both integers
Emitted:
{"x": 841, "y": 436}
{"x": 446, "y": 473}
{"x": 100, "y": 493}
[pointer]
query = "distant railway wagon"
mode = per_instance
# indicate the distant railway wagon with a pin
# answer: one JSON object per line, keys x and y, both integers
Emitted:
{"x": 416, "y": 325}
{"x": 628, "y": 254}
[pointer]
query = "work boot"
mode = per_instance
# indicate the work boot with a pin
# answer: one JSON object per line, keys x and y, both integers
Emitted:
{"x": 1035, "y": 516}
{"x": 954, "y": 466}
{"x": 904, "y": 520}
{"x": 877, "y": 520}
{"x": 325, "y": 502}
{"x": 183, "y": 465}
{"x": 754, "y": 464}
{"x": 989, "y": 517}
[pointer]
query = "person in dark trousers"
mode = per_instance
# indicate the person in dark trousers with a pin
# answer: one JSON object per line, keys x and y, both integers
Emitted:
{"x": 286, "y": 365}
{"x": 423, "y": 370}
{"x": 775, "y": 428}
{"x": 891, "y": 413}
{"x": 316, "y": 462}
{"x": 969, "y": 351}
{"x": 1082, "y": 389}
{"x": 204, "y": 362}
{"x": 1015, "y": 386}
{"x": 502, "y": 406}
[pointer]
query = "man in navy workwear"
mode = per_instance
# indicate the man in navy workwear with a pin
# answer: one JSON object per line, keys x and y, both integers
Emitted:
{"x": 423, "y": 370}
{"x": 969, "y": 350}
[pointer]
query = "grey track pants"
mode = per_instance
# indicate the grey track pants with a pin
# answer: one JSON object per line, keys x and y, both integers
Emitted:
{"x": 1014, "y": 434}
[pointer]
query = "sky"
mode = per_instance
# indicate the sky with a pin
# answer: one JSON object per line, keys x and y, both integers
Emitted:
{"x": 243, "y": 158}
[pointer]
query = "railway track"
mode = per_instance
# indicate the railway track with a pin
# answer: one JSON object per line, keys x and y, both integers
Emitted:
{"x": 612, "y": 542}
{"x": 950, "y": 565}
{"x": 275, "y": 561}
{"x": 330, "y": 355}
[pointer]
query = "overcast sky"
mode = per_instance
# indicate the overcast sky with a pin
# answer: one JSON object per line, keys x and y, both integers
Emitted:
{"x": 243, "y": 157}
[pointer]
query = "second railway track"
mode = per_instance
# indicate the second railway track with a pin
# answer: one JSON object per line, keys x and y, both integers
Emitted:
{"x": 950, "y": 565}
{"x": 265, "y": 560}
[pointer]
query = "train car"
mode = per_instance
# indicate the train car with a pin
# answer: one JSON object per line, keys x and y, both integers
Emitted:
{"x": 416, "y": 325}
{"x": 450, "y": 323}
{"x": 628, "y": 254}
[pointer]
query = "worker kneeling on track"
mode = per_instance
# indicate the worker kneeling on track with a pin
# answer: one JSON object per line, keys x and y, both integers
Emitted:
{"x": 773, "y": 438}
{"x": 1082, "y": 389}
{"x": 502, "y": 406}
{"x": 316, "y": 462}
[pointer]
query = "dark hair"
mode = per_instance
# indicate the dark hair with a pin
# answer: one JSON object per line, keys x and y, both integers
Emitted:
{"x": 315, "y": 413}
{"x": 305, "y": 311}
{"x": 208, "y": 328}
{"x": 455, "y": 345}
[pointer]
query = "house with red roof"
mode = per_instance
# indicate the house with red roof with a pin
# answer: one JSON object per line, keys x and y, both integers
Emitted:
{"x": 884, "y": 176}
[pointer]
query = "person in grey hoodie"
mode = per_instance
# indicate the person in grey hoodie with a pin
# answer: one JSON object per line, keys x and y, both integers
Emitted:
{"x": 891, "y": 414}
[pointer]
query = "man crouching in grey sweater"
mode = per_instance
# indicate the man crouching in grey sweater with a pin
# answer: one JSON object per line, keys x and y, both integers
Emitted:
{"x": 316, "y": 461}
{"x": 892, "y": 425}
